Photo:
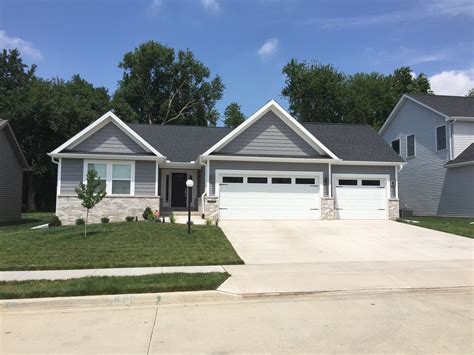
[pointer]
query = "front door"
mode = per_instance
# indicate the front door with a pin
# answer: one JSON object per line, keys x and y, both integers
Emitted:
{"x": 178, "y": 189}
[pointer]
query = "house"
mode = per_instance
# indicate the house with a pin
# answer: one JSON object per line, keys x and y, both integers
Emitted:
{"x": 269, "y": 167}
{"x": 12, "y": 166}
{"x": 435, "y": 135}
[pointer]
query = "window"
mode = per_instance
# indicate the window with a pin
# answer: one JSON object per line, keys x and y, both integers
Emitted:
{"x": 346, "y": 182}
{"x": 257, "y": 180}
{"x": 370, "y": 182}
{"x": 441, "y": 137}
{"x": 304, "y": 181}
{"x": 116, "y": 177}
{"x": 167, "y": 188}
{"x": 396, "y": 145}
{"x": 281, "y": 180}
{"x": 101, "y": 170}
{"x": 411, "y": 145}
{"x": 233, "y": 179}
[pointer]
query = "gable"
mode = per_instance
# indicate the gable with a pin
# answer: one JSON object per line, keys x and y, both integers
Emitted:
{"x": 108, "y": 139}
{"x": 269, "y": 136}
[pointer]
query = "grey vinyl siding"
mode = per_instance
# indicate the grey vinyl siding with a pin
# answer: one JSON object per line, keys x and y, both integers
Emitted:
{"x": 457, "y": 195}
{"x": 374, "y": 170}
{"x": 463, "y": 136}
{"x": 269, "y": 136}
{"x": 11, "y": 181}
{"x": 422, "y": 179}
{"x": 145, "y": 175}
{"x": 72, "y": 171}
{"x": 109, "y": 139}
{"x": 289, "y": 167}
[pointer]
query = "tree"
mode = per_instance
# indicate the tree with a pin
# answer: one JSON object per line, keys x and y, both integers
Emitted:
{"x": 90, "y": 193}
{"x": 233, "y": 116}
{"x": 315, "y": 91}
{"x": 470, "y": 93}
{"x": 162, "y": 86}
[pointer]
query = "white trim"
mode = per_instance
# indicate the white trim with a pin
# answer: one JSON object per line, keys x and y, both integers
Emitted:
{"x": 298, "y": 160}
{"x": 445, "y": 135}
{"x": 207, "y": 176}
{"x": 169, "y": 171}
{"x": 460, "y": 118}
{"x": 180, "y": 165}
{"x": 414, "y": 145}
{"x": 157, "y": 171}
{"x": 101, "y": 122}
{"x": 399, "y": 105}
{"x": 108, "y": 179}
{"x": 456, "y": 165}
{"x": 362, "y": 177}
{"x": 58, "y": 188}
{"x": 103, "y": 156}
{"x": 329, "y": 181}
{"x": 399, "y": 145}
{"x": 396, "y": 182}
{"x": 282, "y": 114}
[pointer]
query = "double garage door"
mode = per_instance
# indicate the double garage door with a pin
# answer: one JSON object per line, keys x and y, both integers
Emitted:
{"x": 260, "y": 195}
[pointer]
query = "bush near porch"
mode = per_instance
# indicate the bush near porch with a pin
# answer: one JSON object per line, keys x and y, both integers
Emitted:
{"x": 125, "y": 244}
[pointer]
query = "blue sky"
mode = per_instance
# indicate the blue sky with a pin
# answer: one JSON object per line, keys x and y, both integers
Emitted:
{"x": 247, "y": 42}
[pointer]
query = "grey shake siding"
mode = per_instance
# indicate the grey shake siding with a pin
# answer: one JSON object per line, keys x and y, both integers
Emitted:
{"x": 71, "y": 175}
{"x": 269, "y": 136}
{"x": 463, "y": 136}
{"x": 11, "y": 181}
{"x": 109, "y": 139}
{"x": 457, "y": 194}
{"x": 422, "y": 179}
{"x": 145, "y": 173}
{"x": 376, "y": 170}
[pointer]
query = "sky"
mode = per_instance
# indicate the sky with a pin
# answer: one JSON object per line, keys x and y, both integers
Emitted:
{"x": 247, "y": 42}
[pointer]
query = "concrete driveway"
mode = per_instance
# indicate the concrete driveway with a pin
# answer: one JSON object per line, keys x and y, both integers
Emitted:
{"x": 305, "y": 241}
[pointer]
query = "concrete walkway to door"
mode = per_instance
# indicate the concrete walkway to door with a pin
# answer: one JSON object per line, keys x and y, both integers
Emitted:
{"x": 309, "y": 241}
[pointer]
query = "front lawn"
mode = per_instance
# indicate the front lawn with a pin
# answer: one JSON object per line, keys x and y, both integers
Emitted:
{"x": 112, "y": 285}
{"x": 454, "y": 225}
{"x": 125, "y": 244}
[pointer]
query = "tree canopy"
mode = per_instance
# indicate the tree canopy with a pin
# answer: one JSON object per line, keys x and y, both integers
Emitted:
{"x": 233, "y": 116}
{"x": 320, "y": 92}
{"x": 162, "y": 86}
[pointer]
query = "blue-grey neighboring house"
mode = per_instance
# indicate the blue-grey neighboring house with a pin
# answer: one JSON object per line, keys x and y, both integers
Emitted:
{"x": 435, "y": 135}
{"x": 12, "y": 166}
{"x": 269, "y": 167}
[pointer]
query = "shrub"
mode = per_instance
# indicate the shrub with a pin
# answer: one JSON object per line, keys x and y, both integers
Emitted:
{"x": 80, "y": 221}
{"x": 105, "y": 220}
{"x": 129, "y": 218}
{"x": 148, "y": 213}
{"x": 172, "y": 218}
{"x": 55, "y": 222}
{"x": 209, "y": 222}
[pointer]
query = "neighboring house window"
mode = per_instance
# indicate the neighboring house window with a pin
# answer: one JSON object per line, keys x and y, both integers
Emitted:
{"x": 411, "y": 145}
{"x": 117, "y": 177}
{"x": 396, "y": 145}
{"x": 441, "y": 137}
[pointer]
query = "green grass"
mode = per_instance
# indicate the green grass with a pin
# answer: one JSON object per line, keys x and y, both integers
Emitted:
{"x": 454, "y": 225}
{"x": 111, "y": 285}
{"x": 127, "y": 244}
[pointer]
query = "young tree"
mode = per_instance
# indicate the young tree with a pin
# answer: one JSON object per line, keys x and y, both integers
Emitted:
{"x": 233, "y": 116}
{"x": 162, "y": 86}
{"x": 90, "y": 193}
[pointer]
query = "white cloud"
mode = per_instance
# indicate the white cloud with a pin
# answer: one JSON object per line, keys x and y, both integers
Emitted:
{"x": 155, "y": 6}
{"x": 211, "y": 5}
{"x": 452, "y": 82}
{"x": 25, "y": 47}
{"x": 268, "y": 48}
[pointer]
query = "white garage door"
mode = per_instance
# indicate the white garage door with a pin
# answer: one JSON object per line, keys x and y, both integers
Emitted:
{"x": 361, "y": 198}
{"x": 269, "y": 197}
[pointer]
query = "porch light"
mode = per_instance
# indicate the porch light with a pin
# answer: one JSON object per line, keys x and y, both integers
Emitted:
{"x": 189, "y": 184}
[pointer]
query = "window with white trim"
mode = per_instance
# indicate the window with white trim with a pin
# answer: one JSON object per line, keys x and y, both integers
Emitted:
{"x": 121, "y": 179}
{"x": 101, "y": 170}
{"x": 117, "y": 177}
{"x": 411, "y": 145}
{"x": 441, "y": 137}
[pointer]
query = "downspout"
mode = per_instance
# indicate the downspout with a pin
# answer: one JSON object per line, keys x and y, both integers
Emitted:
{"x": 451, "y": 140}
{"x": 58, "y": 181}
{"x": 206, "y": 189}
{"x": 329, "y": 180}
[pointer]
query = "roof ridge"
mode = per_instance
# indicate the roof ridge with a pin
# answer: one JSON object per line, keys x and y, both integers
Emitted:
{"x": 174, "y": 125}
{"x": 338, "y": 123}
{"x": 434, "y": 95}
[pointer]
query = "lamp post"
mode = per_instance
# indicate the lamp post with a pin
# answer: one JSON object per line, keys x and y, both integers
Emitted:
{"x": 189, "y": 184}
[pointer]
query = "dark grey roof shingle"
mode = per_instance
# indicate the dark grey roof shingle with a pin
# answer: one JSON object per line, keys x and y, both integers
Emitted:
{"x": 348, "y": 141}
{"x": 180, "y": 143}
{"x": 457, "y": 106}
{"x": 358, "y": 142}
{"x": 467, "y": 155}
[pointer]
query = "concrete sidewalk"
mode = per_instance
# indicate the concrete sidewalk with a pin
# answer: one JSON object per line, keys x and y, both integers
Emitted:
{"x": 73, "y": 274}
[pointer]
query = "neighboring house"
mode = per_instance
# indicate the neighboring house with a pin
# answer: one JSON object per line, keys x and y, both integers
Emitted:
{"x": 269, "y": 167}
{"x": 435, "y": 135}
{"x": 12, "y": 166}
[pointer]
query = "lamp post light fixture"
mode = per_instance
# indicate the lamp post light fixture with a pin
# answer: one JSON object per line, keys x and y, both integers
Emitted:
{"x": 189, "y": 184}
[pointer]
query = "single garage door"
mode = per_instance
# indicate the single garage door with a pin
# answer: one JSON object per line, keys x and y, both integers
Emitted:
{"x": 361, "y": 198}
{"x": 269, "y": 197}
